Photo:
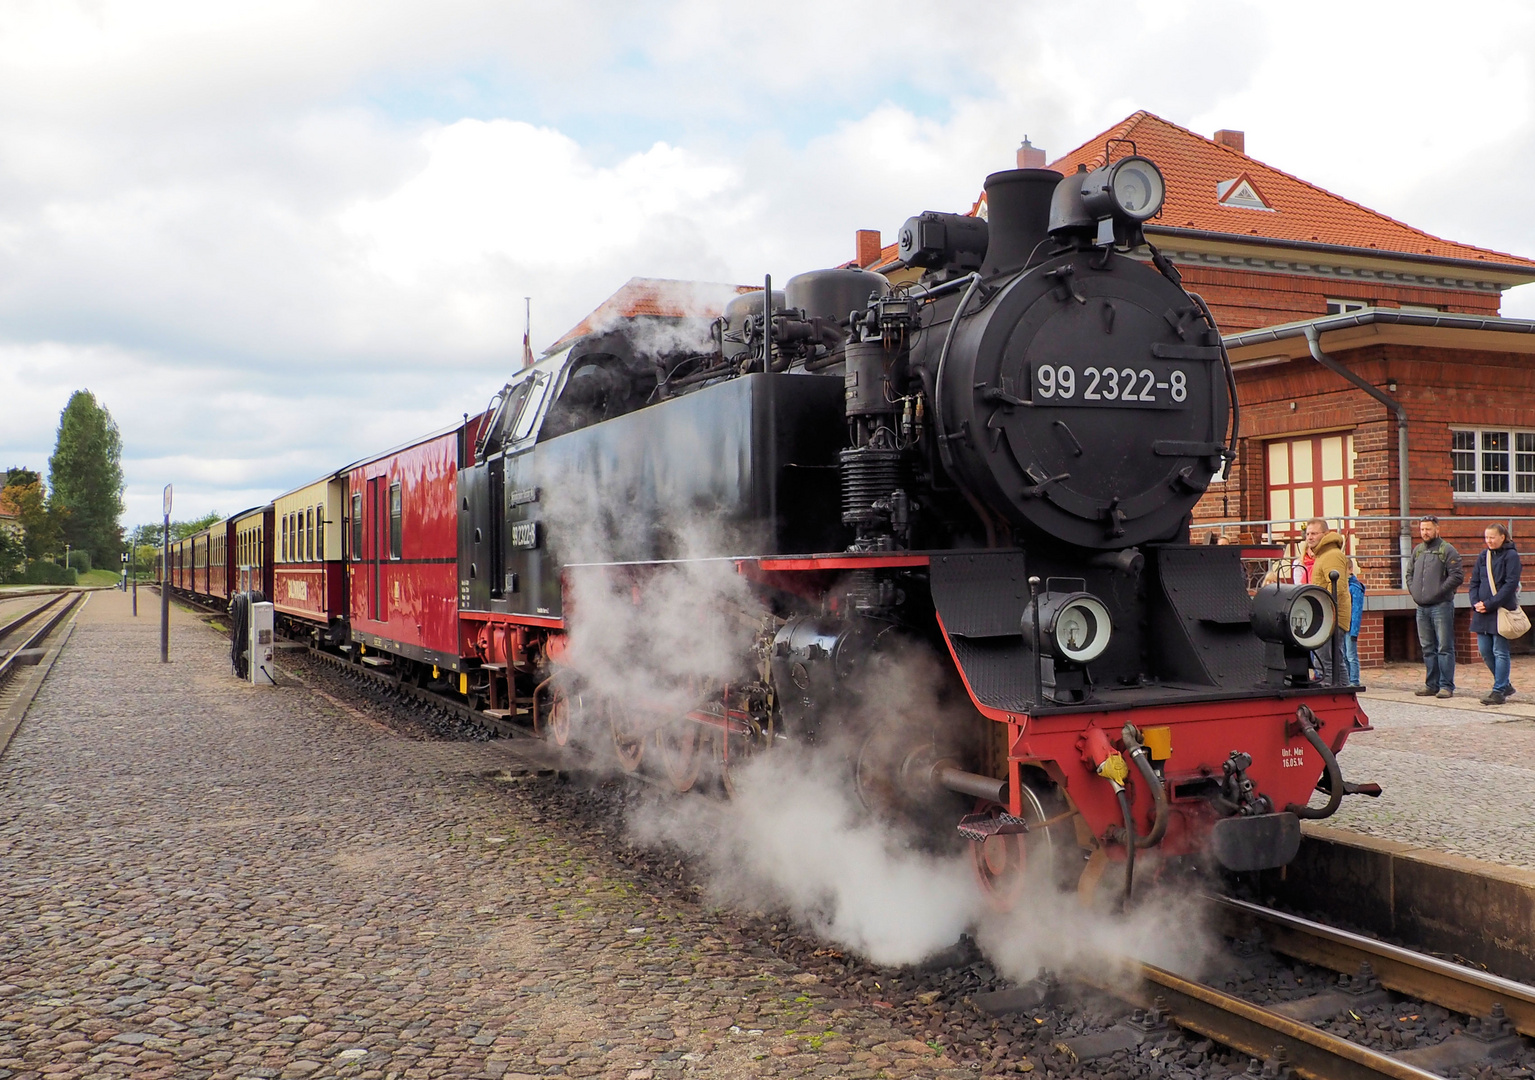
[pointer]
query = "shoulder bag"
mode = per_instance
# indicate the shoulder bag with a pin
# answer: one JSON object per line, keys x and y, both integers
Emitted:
{"x": 1512, "y": 622}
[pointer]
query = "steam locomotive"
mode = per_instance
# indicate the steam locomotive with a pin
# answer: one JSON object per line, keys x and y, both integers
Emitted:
{"x": 987, "y": 461}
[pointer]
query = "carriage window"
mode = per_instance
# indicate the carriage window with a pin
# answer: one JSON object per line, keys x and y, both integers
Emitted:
{"x": 309, "y": 532}
{"x": 319, "y": 538}
{"x": 285, "y": 538}
{"x": 394, "y": 520}
{"x": 356, "y": 526}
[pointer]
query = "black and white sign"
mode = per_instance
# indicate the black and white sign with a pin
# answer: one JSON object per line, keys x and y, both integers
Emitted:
{"x": 1150, "y": 386}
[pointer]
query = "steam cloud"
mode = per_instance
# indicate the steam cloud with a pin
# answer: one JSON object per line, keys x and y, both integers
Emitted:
{"x": 795, "y": 836}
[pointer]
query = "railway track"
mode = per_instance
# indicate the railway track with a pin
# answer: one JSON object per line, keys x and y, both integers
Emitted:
{"x": 1283, "y": 1039}
{"x": 21, "y": 635}
{"x": 1292, "y": 1036}
{"x": 24, "y": 641}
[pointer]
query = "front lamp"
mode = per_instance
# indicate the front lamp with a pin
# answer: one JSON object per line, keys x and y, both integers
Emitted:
{"x": 1075, "y": 626}
{"x": 1293, "y": 620}
{"x": 1131, "y": 189}
{"x": 1073, "y": 630}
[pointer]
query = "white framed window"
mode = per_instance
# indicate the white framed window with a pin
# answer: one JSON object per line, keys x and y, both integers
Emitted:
{"x": 1343, "y": 307}
{"x": 1492, "y": 464}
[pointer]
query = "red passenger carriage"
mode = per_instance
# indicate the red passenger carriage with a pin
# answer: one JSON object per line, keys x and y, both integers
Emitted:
{"x": 402, "y": 552}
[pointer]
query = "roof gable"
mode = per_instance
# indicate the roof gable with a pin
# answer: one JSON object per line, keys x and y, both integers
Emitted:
{"x": 1206, "y": 192}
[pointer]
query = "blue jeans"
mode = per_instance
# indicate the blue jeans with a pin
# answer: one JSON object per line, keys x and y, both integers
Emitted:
{"x": 1494, "y": 649}
{"x": 1436, "y": 637}
{"x": 1351, "y": 658}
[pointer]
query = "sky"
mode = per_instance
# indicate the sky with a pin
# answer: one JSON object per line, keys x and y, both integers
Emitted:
{"x": 275, "y": 237}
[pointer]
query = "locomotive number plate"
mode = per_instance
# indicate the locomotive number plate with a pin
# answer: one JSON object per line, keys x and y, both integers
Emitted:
{"x": 525, "y": 534}
{"x": 1143, "y": 386}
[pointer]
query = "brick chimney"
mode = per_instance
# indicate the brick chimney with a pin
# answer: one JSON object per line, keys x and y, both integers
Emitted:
{"x": 1234, "y": 139}
{"x": 1030, "y": 156}
{"x": 869, "y": 247}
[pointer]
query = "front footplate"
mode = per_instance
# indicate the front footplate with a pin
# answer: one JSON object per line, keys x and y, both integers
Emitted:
{"x": 1256, "y": 842}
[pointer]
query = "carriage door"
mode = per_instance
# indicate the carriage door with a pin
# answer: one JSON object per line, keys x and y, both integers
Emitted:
{"x": 375, "y": 511}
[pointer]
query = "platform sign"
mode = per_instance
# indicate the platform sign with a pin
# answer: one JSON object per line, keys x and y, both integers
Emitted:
{"x": 167, "y": 501}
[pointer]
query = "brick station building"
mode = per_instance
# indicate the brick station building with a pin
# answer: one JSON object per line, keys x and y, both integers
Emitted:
{"x": 1359, "y": 343}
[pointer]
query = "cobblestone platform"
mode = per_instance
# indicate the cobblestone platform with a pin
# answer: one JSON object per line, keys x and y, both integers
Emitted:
{"x": 201, "y": 878}
{"x": 1458, "y": 777}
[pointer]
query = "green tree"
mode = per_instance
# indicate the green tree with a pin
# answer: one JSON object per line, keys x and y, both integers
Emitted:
{"x": 85, "y": 478}
{"x": 13, "y": 555}
{"x": 180, "y": 530}
{"x": 29, "y": 502}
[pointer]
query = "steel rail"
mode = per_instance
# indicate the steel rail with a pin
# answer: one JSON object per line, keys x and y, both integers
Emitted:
{"x": 1417, "y": 975}
{"x": 8, "y": 628}
{"x": 8, "y": 662}
{"x": 1312, "y": 1053}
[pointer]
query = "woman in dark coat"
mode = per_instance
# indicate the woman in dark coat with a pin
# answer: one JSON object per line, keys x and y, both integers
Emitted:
{"x": 1487, "y": 600}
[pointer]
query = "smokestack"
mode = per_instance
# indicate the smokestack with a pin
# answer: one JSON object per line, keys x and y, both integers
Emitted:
{"x": 1030, "y": 156}
{"x": 1018, "y": 216}
{"x": 868, "y": 247}
{"x": 1234, "y": 139}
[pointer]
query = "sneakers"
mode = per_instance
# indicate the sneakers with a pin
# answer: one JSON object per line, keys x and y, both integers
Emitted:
{"x": 1424, "y": 691}
{"x": 1493, "y": 698}
{"x": 1445, "y": 692}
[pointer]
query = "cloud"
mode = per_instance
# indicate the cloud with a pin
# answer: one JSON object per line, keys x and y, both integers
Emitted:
{"x": 297, "y": 230}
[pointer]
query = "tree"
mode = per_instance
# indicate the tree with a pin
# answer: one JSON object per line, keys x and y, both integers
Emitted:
{"x": 17, "y": 474}
{"x": 180, "y": 530}
{"x": 85, "y": 475}
{"x": 12, "y": 555}
{"x": 29, "y": 502}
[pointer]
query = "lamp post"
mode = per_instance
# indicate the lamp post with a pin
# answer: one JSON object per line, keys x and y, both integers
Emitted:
{"x": 165, "y": 582}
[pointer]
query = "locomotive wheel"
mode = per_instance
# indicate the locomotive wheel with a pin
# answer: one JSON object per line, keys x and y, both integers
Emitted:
{"x": 560, "y": 709}
{"x": 741, "y": 750}
{"x": 628, "y": 739}
{"x": 678, "y": 745}
{"x": 1008, "y": 863}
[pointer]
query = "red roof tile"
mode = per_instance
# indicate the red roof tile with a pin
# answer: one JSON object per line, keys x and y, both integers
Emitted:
{"x": 658, "y": 298}
{"x": 1193, "y": 165}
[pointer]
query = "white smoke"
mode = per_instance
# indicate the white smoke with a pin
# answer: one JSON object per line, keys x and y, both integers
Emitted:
{"x": 653, "y": 639}
{"x": 796, "y": 838}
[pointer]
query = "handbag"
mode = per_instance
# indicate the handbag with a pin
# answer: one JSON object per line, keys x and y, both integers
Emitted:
{"x": 1512, "y": 622}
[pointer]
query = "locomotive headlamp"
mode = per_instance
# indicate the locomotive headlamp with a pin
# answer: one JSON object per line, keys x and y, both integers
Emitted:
{"x": 1131, "y": 189}
{"x": 1294, "y": 620}
{"x": 1075, "y": 627}
{"x": 1301, "y": 616}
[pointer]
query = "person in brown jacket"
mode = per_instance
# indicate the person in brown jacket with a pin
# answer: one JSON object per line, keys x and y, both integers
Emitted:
{"x": 1326, "y": 550}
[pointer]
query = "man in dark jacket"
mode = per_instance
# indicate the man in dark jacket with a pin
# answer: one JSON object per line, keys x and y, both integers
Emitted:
{"x": 1490, "y": 592}
{"x": 1433, "y": 578}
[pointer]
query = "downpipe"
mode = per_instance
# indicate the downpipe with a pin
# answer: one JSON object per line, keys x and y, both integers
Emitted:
{"x": 1404, "y": 534}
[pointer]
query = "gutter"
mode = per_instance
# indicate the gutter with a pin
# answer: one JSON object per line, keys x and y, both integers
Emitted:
{"x": 1383, "y": 316}
{"x": 1522, "y": 270}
